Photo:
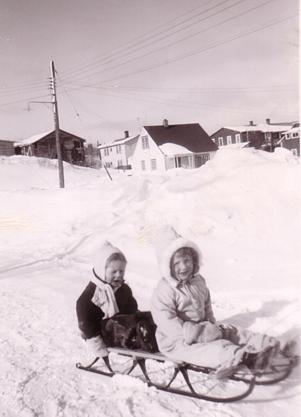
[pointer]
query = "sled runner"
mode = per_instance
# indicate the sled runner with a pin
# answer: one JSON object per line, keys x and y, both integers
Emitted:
{"x": 189, "y": 380}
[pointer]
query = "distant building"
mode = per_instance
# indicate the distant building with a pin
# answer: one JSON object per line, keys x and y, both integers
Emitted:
{"x": 290, "y": 139}
{"x": 118, "y": 154}
{"x": 165, "y": 146}
{"x": 44, "y": 145}
{"x": 263, "y": 135}
{"x": 92, "y": 156}
{"x": 7, "y": 147}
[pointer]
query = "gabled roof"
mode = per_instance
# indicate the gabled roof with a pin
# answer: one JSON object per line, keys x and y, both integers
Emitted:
{"x": 190, "y": 135}
{"x": 117, "y": 142}
{"x": 35, "y": 138}
{"x": 260, "y": 127}
{"x": 295, "y": 129}
{"x": 39, "y": 136}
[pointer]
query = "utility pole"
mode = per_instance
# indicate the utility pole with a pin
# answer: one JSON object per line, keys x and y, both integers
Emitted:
{"x": 57, "y": 127}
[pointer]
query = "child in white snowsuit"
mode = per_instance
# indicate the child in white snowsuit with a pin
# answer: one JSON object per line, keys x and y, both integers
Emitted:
{"x": 105, "y": 295}
{"x": 182, "y": 310}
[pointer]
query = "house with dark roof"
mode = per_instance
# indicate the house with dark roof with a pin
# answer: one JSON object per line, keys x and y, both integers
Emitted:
{"x": 262, "y": 135}
{"x": 117, "y": 154}
{"x": 166, "y": 146}
{"x": 44, "y": 145}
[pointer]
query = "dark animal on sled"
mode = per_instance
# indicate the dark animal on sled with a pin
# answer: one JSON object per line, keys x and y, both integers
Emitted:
{"x": 131, "y": 331}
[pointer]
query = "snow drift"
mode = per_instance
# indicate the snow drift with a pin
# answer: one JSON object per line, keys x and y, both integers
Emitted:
{"x": 243, "y": 209}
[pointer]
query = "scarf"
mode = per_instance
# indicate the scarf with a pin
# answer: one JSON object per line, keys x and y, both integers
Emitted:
{"x": 104, "y": 297}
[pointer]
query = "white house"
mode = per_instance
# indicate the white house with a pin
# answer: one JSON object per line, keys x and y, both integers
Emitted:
{"x": 118, "y": 153}
{"x": 291, "y": 139}
{"x": 172, "y": 146}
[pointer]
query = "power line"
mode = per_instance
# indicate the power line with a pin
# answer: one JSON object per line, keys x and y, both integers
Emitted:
{"x": 22, "y": 85}
{"x": 191, "y": 90}
{"x": 188, "y": 36}
{"x": 69, "y": 98}
{"x": 140, "y": 39}
{"x": 176, "y": 102}
{"x": 173, "y": 33}
{"x": 24, "y": 91}
{"x": 215, "y": 45}
{"x": 23, "y": 100}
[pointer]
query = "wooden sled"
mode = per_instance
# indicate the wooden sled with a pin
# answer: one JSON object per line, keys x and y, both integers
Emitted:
{"x": 190, "y": 380}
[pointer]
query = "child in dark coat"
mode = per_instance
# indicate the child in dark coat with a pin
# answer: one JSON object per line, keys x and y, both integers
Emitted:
{"x": 105, "y": 296}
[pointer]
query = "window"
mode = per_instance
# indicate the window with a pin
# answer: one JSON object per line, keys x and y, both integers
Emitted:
{"x": 118, "y": 149}
{"x": 237, "y": 138}
{"x": 295, "y": 135}
{"x": 110, "y": 149}
{"x": 200, "y": 159}
{"x": 143, "y": 165}
{"x": 145, "y": 144}
{"x": 220, "y": 141}
{"x": 153, "y": 164}
{"x": 229, "y": 140}
{"x": 287, "y": 136}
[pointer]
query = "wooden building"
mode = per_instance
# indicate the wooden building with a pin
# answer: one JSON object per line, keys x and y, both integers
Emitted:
{"x": 7, "y": 147}
{"x": 44, "y": 145}
{"x": 261, "y": 136}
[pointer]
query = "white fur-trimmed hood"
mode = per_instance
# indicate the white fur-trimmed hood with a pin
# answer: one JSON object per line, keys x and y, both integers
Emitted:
{"x": 169, "y": 241}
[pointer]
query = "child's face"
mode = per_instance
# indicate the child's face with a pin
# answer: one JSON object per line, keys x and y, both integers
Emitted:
{"x": 182, "y": 266}
{"x": 115, "y": 273}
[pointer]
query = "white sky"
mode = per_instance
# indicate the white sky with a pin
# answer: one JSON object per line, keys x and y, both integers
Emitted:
{"x": 126, "y": 63}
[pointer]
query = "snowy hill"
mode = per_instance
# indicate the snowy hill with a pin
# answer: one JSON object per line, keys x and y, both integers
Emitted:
{"x": 243, "y": 209}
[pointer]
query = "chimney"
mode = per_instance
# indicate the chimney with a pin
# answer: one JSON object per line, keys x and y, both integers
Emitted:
{"x": 268, "y": 121}
{"x": 165, "y": 123}
{"x": 251, "y": 123}
{"x": 126, "y": 134}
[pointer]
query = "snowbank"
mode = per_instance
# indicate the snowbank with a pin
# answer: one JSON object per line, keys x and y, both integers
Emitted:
{"x": 243, "y": 208}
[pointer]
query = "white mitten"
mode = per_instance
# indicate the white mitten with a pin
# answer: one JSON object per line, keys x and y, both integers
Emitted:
{"x": 203, "y": 332}
{"x": 96, "y": 346}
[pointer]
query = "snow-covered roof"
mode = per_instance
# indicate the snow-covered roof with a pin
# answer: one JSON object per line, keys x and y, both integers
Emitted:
{"x": 116, "y": 142}
{"x": 262, "y": 127}
{"x": 170, "y": 149}
{"x": 289, "y": 131}
{"x": 293, "y": 130}
{"x": 39, "y": 136}
{"x": 7, "y": 140}
{"x": 34, "y": 138}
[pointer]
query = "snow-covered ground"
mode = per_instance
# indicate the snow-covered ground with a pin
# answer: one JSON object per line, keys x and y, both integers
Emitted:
{"x": 243, "y": 208}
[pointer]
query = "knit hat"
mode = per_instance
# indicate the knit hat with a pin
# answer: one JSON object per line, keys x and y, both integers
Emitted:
{"x": 168, "y": 242}
{"x": 101, "y": 256}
